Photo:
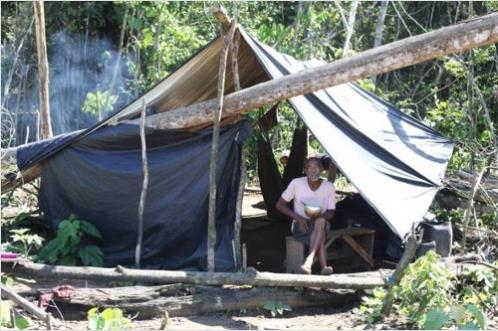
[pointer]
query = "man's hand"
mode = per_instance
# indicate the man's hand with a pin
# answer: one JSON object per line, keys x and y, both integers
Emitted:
{"x": 303, "y": 224}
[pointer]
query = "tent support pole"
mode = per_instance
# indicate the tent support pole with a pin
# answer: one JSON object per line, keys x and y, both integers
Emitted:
{"x": 143, "y": 195}
{"x": 234, "y": 48}
{"x": 211, "y": 238}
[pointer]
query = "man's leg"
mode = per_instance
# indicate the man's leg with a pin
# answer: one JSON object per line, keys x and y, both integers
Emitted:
{"x": 316, "y": 239}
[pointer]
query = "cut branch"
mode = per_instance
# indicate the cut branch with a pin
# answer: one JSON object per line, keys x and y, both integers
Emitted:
{"x": 145, "y": 184}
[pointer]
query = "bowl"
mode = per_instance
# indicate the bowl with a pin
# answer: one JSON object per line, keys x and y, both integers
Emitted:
{"x": 312, "y": 211}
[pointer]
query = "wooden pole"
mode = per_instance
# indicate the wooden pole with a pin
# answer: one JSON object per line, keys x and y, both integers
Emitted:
{"x": 211, "y": 239}
{"x": 28, "y": 306}
{"x": 410, "y": 250}
{"x": 41, "y": 47}
{"x": 234, "y": 46}
{"x": 361, "y": 280}
{"x": 143, "y": 195}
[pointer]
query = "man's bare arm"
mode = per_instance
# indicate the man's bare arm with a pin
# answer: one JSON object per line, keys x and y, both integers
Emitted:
{"x": 284, "y": 209}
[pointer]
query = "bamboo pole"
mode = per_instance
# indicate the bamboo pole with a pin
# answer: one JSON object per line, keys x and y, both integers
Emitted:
{"x": 211, "y": 239}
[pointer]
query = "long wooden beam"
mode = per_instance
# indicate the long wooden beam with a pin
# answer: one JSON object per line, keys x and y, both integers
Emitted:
{"x": 477, "y": 32}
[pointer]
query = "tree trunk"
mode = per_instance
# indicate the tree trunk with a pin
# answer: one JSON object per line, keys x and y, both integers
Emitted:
{"x": 473, "y": 33}
{"x": 181, "y": 300}
{"x": 45, "y": 122}
{"x": 379, "y": 29}
{"x": 350, "y": 28}
{"x": 250, "y": 277}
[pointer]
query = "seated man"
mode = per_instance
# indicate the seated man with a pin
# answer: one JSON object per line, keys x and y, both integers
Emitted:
{"x": 306, "y": 227}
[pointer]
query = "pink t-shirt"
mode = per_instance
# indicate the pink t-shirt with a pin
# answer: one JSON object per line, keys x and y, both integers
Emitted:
{"x": 300, "y": 191}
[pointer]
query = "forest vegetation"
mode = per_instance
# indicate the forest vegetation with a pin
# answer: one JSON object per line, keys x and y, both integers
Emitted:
{"x": 102, "y": 55}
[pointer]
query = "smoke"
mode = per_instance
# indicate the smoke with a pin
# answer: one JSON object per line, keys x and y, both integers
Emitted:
{"x": 78, "y": 65}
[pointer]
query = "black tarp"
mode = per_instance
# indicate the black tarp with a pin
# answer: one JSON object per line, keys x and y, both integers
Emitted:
{"x": 99, "y": 178}
{"x": 396, "y": 162}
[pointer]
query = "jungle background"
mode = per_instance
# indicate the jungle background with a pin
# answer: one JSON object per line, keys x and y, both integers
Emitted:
{"x": 102, "y": 55}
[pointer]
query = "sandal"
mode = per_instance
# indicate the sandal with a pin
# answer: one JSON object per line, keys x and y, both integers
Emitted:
{"x": 327, "y": 271}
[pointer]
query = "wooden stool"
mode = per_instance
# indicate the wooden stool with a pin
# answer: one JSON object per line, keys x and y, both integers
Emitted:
{"x": 362, "y": 244}
{"x": 294, "y": 255}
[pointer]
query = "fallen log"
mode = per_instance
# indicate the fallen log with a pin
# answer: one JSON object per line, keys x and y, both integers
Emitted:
{"x": 456, "y": 38}
{"x": 364, "y": 280}
{"x": 473, "y": 33}
{"x": 181, "y": 300}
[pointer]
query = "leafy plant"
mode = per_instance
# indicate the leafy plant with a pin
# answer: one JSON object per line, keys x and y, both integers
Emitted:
{"x": 70, "y": 248}
{"x": 99, "y": 103}
{"x": 8, "y": 318}
{"x": 276, "y": 307}
{"x": 468, "y": 317}
{"x": 108, "y": 319}
{"x": 432, "y": 297}
{"x": 23, "y": 240}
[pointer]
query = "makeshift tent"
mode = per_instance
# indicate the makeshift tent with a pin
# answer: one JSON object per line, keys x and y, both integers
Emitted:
{"x": 396, "y": 162}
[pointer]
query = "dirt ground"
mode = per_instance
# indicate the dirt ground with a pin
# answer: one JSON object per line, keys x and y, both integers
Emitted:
{"x": 302, "y": 319}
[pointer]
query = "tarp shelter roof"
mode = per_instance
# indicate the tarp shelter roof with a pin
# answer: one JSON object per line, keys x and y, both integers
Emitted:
{"x": 396, "y": 162}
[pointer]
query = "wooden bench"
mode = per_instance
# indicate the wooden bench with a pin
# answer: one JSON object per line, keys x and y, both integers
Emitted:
{"x": 359, "y": 240}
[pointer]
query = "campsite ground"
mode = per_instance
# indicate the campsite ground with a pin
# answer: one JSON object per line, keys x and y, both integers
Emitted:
{"x": 302, "y": 319}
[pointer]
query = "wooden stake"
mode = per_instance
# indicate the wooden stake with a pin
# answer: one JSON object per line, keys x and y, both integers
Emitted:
{"x": 240, "y": 193}
{"x": 211, "y": 239}
{"x": 143, "y": 194}
{"x": 28, "y": 306}
{"x": 410, "y": 250}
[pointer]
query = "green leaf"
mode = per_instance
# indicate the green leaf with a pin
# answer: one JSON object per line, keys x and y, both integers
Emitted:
{"x": 457, "y": 313}
{"x": 91, "y": 255}
{"x": 112, "y": 313}
{"x": 435, "y": 319}
{"x": 479, "y": 316}
{"x": 92, "y": 312}
{"x": 21, "y": 323}
{"x": 68, "y": 233}
{"x": 468, "y": 326}
{"x": 270, "y": 305}
{"x": 90, "y": 230}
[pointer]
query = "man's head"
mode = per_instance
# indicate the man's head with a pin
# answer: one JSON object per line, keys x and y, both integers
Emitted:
{"x": 313, "y": 168}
